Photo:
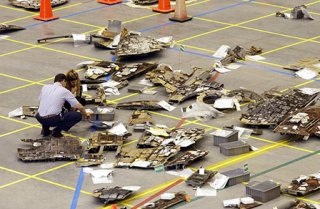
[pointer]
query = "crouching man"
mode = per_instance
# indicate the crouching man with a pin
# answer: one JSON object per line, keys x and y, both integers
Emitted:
{"x": 52, "y": 99}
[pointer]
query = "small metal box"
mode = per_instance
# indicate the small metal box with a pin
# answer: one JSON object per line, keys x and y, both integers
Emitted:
{"x": 264, "y": 191}
{"x": 234, "y": 148}
{"x": 224, "y": 136}
{"x": 236, "y": 176}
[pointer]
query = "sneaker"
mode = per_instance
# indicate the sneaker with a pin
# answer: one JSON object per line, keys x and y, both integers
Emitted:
{"x": 56, "y": 134}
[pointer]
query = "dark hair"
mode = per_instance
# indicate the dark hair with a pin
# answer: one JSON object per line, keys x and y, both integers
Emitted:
{"x": 60, "y": 77}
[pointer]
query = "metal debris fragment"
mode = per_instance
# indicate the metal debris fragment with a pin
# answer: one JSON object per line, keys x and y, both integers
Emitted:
{"x": 304, "y": 185}
{"x": 272, "y": 111}
{"x": 298, "y": 12}
{"x": 181, "y": 85}
{"x": 198, "y": 179}
{"x": 131, "y": 45}
{"x": 64, "y": 148}
{"x": 180, "y": 137}
{"x": 304, "y": 122}
{"x": 4, "y": 28}
{"x": 186, "y": 158}
{"x": 145, "y": 158}
{"x": 140, "y": 117}
{"x": 139, "y": 105}
{"x": 111, "y": 194}
{"x": 296, "y": 204}
{"x": 129, "y": 71}
{"x": 310, "y": 63}
{"x": 35, "y": 4}
{"x": 164, "y": 204}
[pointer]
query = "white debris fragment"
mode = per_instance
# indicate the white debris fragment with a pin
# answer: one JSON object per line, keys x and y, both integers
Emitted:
{"x": 200, "y": 111}
{"x": 118, "y": 129}
{"x": 167, "y": 196}
{"x": 185, "y": 173}
{"x": 256, "y": 58}
{"x": 306, "y": 73}
{"x": 205, "y": 192}
{"x": 166, "y": 105}
{"x": 220, "y": 181}
{"x": 222, "y": 52}
{"x": 16, "y": 113}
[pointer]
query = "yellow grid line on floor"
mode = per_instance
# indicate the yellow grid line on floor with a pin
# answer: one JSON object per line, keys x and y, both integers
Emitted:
{"x": 237, "y": 24}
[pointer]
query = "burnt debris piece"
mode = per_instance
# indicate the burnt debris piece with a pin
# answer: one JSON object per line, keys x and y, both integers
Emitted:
{"x": 245, "y": 95}
{"x": 65, "y": 148}
{"x": 298, "y": 12}
{"x": 4, "y": 28}
{"x": 239, "y": 53}
{"x": 303, "y": 185}
{"x": 96, "y": 145}
{"x": 180, "y": 85}
{"x": 145, "y": 158}
{"x": 140, "y": 117}
{"x": 180, "y": 162}
{"x": 304, "y": 122}
{"x": 297, "y": 204}
{"x": 145, "y": 2}
{"x": 133, "y": 44}
{"x": 273, "y": 110}
{"x": 35, "y": 4}
{"x": 100, "y": 68}
{"x": 181, "y": 137}
{"x": 167, "y": 203}
{"x": 241, "y": 203}
{"x": 200, "y": 177}
{"x": 111, "y": 194}
{"x": 129, "y": 71}
{"x": 139, "y": 105}
{"x": 310, "y": 63}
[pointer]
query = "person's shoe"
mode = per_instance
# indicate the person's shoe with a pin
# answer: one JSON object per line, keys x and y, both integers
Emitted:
{"x": 45, "y": 132}
{"x": 56, "y": 134}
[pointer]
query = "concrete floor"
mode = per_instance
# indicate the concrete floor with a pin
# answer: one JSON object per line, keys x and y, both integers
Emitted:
{"x": 27, "y": 66}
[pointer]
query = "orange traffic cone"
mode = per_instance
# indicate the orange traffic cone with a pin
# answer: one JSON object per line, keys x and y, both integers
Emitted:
{"x": 45, "y": 11}
{"x": 180, "y": 14}
{"x": 114, "y": 206}
{"x": 163, "y": 7}
{"x": 109, "y": 1}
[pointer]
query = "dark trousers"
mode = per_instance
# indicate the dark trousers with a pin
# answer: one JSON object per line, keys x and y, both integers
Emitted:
{"x": 68, "y": 120}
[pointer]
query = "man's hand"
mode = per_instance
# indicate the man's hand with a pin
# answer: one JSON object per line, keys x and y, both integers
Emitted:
{"x": 88, "y": 115}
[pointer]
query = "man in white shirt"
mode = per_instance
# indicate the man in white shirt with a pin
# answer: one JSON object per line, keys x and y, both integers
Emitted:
{"x": 52, "y": 99}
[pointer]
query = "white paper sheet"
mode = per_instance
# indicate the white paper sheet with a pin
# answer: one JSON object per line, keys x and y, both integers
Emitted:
{"x": 309, "y": 91}
{"x": 102, "y": 180}
{"x": 222, "y": 70}
{"x": 205, "y": 192}
{"x": 107, "y": 165}
{"x": 317, "y": 65}
{"x": 4, "y": 37}
{"x": 15, "y": 113}
{"x": 224, "y": 103}
{"x": 79, "y": 37}
{"x": 146, "y": 82}
{"x": 101, "y": 173}
{"x": 140, "y": 163}
{"x": 220, "y": 132}
{"x": 110, "y": 83}
{"x": 84, "y": 87}
{"x": 233, "y": 66}
{"x": 150, "y": 92}
{"x": 231, "y": 202}
{"x": 256, "y": 57}
{"x": 306, "y": 73}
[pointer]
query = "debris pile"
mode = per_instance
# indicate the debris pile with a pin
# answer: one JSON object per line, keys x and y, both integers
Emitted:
{"x": 133, "y": 44}
{"x": 297, "y": 204}
{"x": 298, "y": 12}
{"x": 111, "y": 194}
{"x": 65, "y": 148}
{"x": 272, "y": 111}
{"x": 35, "y": 4}
{"x": 304, "y": 185}
{"x": 200, "y": 177}
{"x": 304, "y": 122}
{"x": 180, "y": 162}
{"x": 140, "y": 117}
{"x": 145, "y": 158}
{"x": 181, "y": 85}
{"x": 154, "y": 137}
{"x": 241, "y": 203}
{"x": 307, "y": 63}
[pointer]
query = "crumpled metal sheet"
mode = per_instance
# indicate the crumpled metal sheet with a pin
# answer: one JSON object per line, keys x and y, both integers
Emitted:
{"x": 4, "y": 28}
{"x": 198, "y": 180}
{"x": 145, "y": 2}
{"x": 181, "y": 85}
{"x": 304, "y": 185}
{"x": 304, "y": 122}
{"x": 111, "y": 194}
{"x": 178, "y": 137}
{"x": 145, "y": 158}
{"x": 35, "y": 4}
{"x": 273, "y": 110}
{"x": 129, "y": 71}
{"x": 140, "y": 117}
{"x": 185, "y": 159}
{"x": 65, "y": 148}
{"x": 135, "y": 45}
{"x": 139, "y": 105}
